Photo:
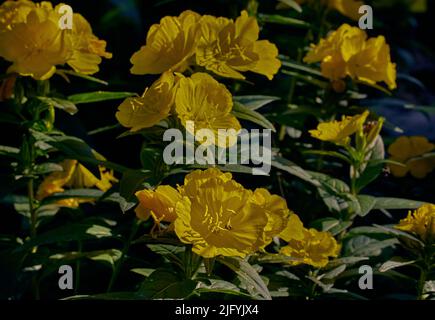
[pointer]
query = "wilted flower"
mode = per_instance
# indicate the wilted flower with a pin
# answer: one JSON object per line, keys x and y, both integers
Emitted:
{"x": 410, "y": 151}
{"x": 169, "y": 45}
{"x": 153, "y": 106}
{"x": 348, "y": 52}
{"x": 74, "y": 175}
{"x": 339, "y": 132}
{"x": 229, "y": 47}
{"x": 421, "y": 222}
{"x": 208, "y": 104}
{"x": 220, "y": 217}
{"x": 158, "y": 204}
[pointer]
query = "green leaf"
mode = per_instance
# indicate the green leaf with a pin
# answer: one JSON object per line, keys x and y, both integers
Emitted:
{"x": 373, "y": 167}
{"x": 74, "y": 193}
{"x": 9, "y": 151}
{"x": 396, "y": 203}
{"x": 299, "y": 67}
{"x": 146, "y": 272}
{"x": 62, "y": 104}
{"x": 124, "y": 205}
{"x": 332, "y": 225}
{"x": 242, "y": 112}
{"x": 275, "y": 258}
{"x": 255, "y": 102}
{"x": 395, "y": 262}
{"x": 106, "y": 256}
{"x": 295, "y": 170}
{"x": 248, "y": 275}
{"x": 76, "y": 148}
{"x": 132, "y": 181}
{"x": 278, "y": 19}
{"x": 306, "y": 78}
{"x": 165, "y": 284}
{"x": 91, "y": 228}
{"x": 63, "y": 73}
{"x": 399, "y": 233}
{"x": 292, "y": 4}
{"x": 367, "y": 247}
{"x": 99, "y": 96}
{"x": 107, "y": 296}
{"x": 366, "y": 204}
{"x": 47, "y": 167}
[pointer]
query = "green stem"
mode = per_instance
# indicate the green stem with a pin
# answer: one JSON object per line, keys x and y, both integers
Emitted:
{"x": 420, "y": 286}
{"x": 77, "y": 273}
{"x": 33, "y": 218}
{"x": 124, "y": 252}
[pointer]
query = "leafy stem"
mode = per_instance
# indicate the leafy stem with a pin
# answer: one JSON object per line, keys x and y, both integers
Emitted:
{"x": 124, "y": 252}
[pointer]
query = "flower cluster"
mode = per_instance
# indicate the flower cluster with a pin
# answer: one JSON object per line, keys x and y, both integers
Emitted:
{"x": 421, "y": 222}
{"x": 220, "y": 45}
{"x": 349, "y": 52}
{"x": 308, "y": 246}
{"x": 413, "y": 153}
{"x": 31, "y": 38}
{"x": 217, "y": 215}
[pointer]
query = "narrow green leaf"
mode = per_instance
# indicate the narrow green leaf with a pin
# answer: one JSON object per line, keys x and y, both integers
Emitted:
{"x": 244, "y": 113}
{"x": 99, "y": 96}
{"x": 278, "y": 19}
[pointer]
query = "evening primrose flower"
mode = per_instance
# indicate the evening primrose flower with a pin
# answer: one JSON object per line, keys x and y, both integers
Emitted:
{"x": 153, "y": 106}
{"x": 169, "y": 45}
{"x": 220, "y": 217}
{"x": 208, "y": 104}
{"x": 421, "y": 222}
{"x": 158, "y": 204}
{"x": 30, "y": 38}
{"x": 315, "y": 248}
{"x": 339, "y": 132}
{"x": 228, "y": 47}
{"x": 410, "y": 151}
{"x": 74, "y": 175}
{"x": 35, "y": 46}
{"x": 87, "y": 49}
{"x": 12, "y": 12}
{"x": 348, "y": 8}
{"x": 348, "y": 52}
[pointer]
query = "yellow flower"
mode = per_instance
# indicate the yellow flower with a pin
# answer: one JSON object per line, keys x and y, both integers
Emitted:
{"x": 228, "y": 48}
{"x": 152, "y": 107}
{"x": 34, "y": 46}
{"x": 219, "y": 217}
{"x": 74, "y": 175}
{"x": 293, "y": 230}
{"x": 87, "y": 49}
{"x": 30, "y": 38}
{"x": 276, "y": 209}
{"x": 314, "y": 248}
{"x": 409, "y": 151}
{"x": 12, "y": 12}
{"x": 160, "y": 204}
{"x": 421, "y": 222}
{"x": 339, "y": 132}
{"x": 208, "y": 104}
{"x": 348, "y": 52}
{"x": 348, "y": 8}
{"x": 169, "y": 45}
